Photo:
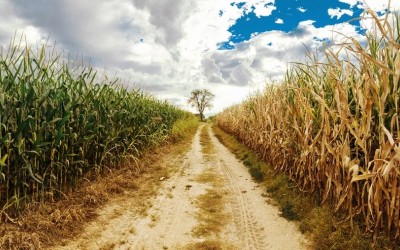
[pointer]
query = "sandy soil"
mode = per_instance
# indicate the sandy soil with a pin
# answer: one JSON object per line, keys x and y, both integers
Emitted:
{"x": 174, "y": 213}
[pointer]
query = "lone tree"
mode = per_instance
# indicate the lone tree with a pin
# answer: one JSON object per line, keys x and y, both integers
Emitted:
{"x": 201, "y": 99}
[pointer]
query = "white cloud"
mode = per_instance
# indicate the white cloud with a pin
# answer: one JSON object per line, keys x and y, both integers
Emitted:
{"x": 279, "y": 21}
{"x": 352, "y": 3}
{"x": 11, "y": 24}
{"x": 301, "y": 9}
{"x": 259, "y": 7}
{"x": 263, "y": 7}
{"x": 379, "y": 5}
{"x": 338, "y": 13}
{"x": 253, "y": 62}
{"x": 170, "y": 47}
{"x": 166, "y": 16}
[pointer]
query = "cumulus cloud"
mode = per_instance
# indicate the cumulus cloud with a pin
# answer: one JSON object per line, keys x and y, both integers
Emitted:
{"x": 128, "y": 39}
{"x": 170, "y": 47}
{"x": 338, "y": 13}
{"x": 262, "y": 8}
{"x": 11, "y": 24}
{"x": 352, "y": 3}
{"x": 266, "y": 56}
{"x": 167, "y": 16}
{"x": 301, "y": 9}
{"x": 259, "y": 7}
{"x": 211, "y": 71}
{"x": 279, "y": 21}
{"x": 101, "y": 30}
{"x": 378, "y": 5}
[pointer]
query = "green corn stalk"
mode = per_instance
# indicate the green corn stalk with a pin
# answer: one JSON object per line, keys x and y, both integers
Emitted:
{"x": 59, "y": 122}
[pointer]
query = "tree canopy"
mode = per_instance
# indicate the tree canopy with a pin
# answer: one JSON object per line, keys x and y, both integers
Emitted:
{"x": 201, "y": 99}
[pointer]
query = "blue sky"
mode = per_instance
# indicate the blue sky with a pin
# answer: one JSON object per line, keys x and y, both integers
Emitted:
{"x": 286, "y": 15}
{"x": 170, "y": 47}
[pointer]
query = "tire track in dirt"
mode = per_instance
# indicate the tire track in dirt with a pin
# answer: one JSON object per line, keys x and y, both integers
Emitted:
{"x": 174, "y": 208}
{"x": 122, "y": 225}
{"x": 258, "y": 224}
{"x": 244, "y": 221}
{"x": 173, "y": 216}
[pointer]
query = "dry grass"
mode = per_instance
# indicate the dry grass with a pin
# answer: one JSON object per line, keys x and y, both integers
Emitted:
{"x": 45, "y": 224}
{"x": 210, "y": 245}
{"x": 211, "y": 215}
{"x": 205, "y": 141}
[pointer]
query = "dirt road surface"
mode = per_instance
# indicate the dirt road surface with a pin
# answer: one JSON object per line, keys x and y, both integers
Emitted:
{"x": 181, "y": 218}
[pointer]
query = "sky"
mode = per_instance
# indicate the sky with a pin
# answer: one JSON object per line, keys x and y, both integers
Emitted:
{"x": 170, "y": 47}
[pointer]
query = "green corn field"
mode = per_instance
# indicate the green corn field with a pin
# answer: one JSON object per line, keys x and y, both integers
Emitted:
{"x": 333, "y": 126}
{"x": 59, "y": 122}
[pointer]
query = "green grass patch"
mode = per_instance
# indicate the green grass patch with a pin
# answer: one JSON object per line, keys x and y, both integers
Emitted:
{"x": 206, "y": 146}
{"x": 185, "y": 126}
{"x": 256, "y": 168}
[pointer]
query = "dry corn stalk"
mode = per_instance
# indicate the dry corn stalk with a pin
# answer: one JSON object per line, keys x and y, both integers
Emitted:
{"x": 333, "y": 127}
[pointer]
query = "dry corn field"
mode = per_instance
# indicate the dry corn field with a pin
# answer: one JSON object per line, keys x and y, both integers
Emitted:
{"x": 333, "y": 126}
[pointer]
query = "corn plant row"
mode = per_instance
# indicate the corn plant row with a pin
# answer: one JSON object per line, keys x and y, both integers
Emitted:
{"x": 58, "y": 122}
{"x": 333, "y": 127}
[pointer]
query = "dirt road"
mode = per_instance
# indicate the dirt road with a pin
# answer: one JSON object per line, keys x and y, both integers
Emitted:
{"x": 210, "y": 201}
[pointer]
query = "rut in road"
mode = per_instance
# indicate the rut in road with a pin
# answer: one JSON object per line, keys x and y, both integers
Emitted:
{"x": 174, "y": 219}
{"x": 258, "y": 223}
